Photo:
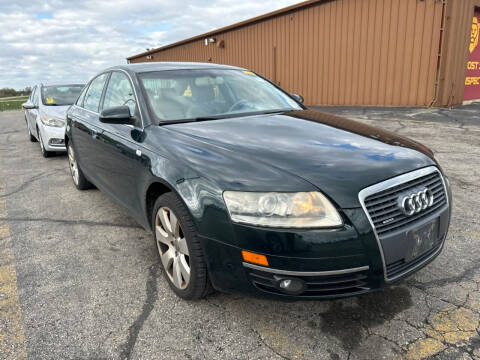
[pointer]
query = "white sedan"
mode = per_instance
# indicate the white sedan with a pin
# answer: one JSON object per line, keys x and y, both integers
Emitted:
{"x": 45, "y": 113}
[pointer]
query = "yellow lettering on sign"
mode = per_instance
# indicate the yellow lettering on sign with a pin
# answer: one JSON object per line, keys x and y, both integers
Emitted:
{"x": 472, "y": 80}
{"x": 473, "y": 65}
{"x": 474, "y": 34}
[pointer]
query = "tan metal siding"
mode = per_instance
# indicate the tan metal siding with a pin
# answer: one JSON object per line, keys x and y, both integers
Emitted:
{"x": 366, "y": 52}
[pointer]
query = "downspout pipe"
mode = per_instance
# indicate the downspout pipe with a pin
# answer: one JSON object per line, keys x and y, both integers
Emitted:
{"x": 440, "y": 53}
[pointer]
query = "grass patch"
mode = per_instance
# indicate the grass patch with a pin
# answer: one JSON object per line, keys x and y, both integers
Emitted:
{"x": 12, "y": 103}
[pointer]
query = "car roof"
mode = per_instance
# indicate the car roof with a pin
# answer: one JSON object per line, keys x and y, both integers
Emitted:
{"x": 73, "y": 83}
{"x": 164, "y": 66}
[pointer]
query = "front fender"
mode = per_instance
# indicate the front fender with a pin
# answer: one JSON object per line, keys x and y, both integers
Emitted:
{"x": 202, "y": 197}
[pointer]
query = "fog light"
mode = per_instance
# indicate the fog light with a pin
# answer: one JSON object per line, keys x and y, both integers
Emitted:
{"x": 56, "y": 141}
{"x": 291, "y": 285}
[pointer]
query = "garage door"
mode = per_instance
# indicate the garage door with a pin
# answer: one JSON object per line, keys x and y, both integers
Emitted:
{"x": 472, "y": 80}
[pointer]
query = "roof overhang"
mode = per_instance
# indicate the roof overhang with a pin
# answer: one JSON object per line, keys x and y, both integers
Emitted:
{"x": 230, "y": 27}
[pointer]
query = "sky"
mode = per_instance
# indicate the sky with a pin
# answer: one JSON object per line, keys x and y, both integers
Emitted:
{"x": 70, "y": 41}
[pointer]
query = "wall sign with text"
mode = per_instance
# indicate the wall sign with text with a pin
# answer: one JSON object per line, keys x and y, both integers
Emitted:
{"x": 472, "y": 79}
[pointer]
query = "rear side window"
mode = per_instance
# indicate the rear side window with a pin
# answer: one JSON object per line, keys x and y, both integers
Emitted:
{"x": 35, "y": 96}
{"x": 33, "y": 93}
{"x": 94, "y": 93}
{"x": 82, "y": 96}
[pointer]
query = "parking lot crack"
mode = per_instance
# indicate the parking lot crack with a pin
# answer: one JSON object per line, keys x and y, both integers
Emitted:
{"x": 272, "y": 349}
{"x": 445, "y": 300}
{"x": 463, "y": 184}
{"x": 69, "y": 222}
{"x": 10, "y": 132}
{"x": 466, "y": 274}
{"x": 136, "y": 327}
{"x": 401, "y": 126}
{"x": 30, "y": 181}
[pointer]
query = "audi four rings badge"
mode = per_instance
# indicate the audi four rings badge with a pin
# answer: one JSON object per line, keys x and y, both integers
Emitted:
{"x": 413, "y": 203}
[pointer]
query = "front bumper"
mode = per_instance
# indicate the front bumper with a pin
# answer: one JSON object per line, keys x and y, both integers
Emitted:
{"x": 351, "y": 271}
{"x": 52, "y": 136}
{"x": 328, "y": 263}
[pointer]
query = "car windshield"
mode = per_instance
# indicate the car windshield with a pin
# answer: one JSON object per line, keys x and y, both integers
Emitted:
{"x": 212, "y": 93}
{"x": 60, "y": 95}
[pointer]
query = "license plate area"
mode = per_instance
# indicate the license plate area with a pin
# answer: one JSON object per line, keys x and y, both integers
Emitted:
{"x": 409, "y": 245}
{"x": 422, "y": 239}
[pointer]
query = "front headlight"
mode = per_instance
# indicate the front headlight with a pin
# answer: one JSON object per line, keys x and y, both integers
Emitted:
{"x": 285, "y": 210}
{"x": 49, "y": 120}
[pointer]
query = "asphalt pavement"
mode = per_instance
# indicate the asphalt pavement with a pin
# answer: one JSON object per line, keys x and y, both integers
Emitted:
{"x": 79, "y": 279}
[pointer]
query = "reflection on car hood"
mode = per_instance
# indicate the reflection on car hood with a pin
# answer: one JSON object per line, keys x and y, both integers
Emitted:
{"x": 337, "y": 155}
{"x": 57, "y": 111}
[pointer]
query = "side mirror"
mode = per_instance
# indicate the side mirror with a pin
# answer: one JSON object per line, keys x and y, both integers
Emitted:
{"x": 116, "y": 115}
{"x": 28, "y": 105}
{"x": 298, "y": 98}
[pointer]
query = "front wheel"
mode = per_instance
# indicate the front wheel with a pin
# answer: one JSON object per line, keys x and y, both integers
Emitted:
{"x": 45, "y": 153}
{"x": 179, "y": 248}
{"x": 79, "y": 180}
{"x": 30, "y": 136}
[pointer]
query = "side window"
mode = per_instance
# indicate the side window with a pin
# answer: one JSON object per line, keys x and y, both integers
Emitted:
{"x": 119, "y": 92}
{"x": 94, "y": 93}
{"x": 82, "y": 96}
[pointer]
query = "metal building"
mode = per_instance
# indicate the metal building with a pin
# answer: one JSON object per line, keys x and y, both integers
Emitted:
{"x": 353, "y": 52}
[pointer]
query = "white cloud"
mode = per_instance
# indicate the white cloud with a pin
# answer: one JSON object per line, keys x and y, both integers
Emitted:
{"x": 71, "y": 41}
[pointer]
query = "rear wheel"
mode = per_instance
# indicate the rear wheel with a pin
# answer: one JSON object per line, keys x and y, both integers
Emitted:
{"x": 79, "y": 180}
{"x": 179, "y": 248}
{"x": 45, "y": 153}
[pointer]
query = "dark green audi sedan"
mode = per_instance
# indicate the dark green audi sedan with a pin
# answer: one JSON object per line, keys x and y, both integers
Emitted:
{"x": 246, "y": 190}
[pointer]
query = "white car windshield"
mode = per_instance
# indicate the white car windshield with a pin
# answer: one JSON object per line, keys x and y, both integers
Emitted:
{"x": 60, "y": 95}
{"x": 211, "y": 93}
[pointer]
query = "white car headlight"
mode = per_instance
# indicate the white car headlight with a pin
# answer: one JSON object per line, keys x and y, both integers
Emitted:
{"x": 284, "y": 210}
{"x": 49, "y": 120}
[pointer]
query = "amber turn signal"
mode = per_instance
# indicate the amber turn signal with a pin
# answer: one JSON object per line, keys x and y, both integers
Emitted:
{"x": 254, "y": 258}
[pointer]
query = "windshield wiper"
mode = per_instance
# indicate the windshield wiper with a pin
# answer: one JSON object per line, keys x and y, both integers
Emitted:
{"x": 276, "y": 111}
{"x": 206, "y": 118}
{"x": 224, "y": 116}
{"x": 253, "y": 113}
{"x": 199, "y": 118}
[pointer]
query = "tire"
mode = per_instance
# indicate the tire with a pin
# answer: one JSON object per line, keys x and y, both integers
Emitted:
{"x": 179, "y": 248}
{"x": 79, "y": 180}
{"x": 31, "y": 137}
{"x": 45, "y": 153}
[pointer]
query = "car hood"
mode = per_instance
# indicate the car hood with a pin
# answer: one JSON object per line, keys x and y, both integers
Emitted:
{"x": 276, "y": 152}
{"x": 57, "y": 111}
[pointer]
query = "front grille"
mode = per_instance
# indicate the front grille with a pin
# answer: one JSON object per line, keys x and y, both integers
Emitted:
{"x": 324, "y": 285}
{"x": 385, "y": 213}
{"x": 401, "y": 266}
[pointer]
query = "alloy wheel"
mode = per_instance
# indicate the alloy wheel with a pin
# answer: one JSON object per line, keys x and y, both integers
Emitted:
{"x": 172, "y": 247}
{"x": 73, "y": 165}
